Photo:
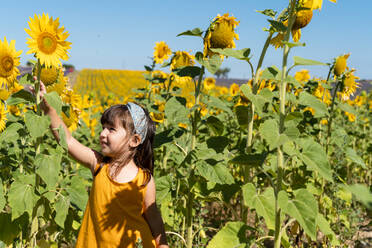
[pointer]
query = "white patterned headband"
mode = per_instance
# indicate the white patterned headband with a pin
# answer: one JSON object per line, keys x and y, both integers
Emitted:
{"x": 139, "y": 119}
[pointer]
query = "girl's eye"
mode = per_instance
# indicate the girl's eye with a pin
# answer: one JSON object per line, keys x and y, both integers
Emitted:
{"x": 112, "y": 129}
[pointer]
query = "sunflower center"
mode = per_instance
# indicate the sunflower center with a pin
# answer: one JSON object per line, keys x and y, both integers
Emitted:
{"x": 47, "y": 43}
{"x": 7, "y": 64}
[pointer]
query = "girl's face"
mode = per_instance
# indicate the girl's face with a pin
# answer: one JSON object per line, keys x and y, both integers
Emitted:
{"x": 112, "y": 139}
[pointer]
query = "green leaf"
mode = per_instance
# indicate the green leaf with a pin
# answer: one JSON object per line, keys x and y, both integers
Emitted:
{"x": 294, "y": 44}
{"x": 193, "y": 32}
{"x": 2, "y": 198}
{"x": 212, "y": 64}
{"x": 163, "y": 187}
{"x": 301, "y": 61}
{"x": 62, "y": 137}
{"x": 188, "y": 71}
{"x": 269, "y": 130}
{"x": 218, "y": 143}
{"x": 304, "y": 208}
{"x": 214, "y": 173}
{"x": 11, "y": 133}
{"x": 361, "y": 193}
{"x": 231, "y": 235}
{"x": 248, "y": 159}
{"x": 242, "y": 54}
{"x": 215, "y": 125}
{"x": 326, "y": 229}
{"x": 37, "y": 125}
{"x": 263, "y": 203}
{"x": 267, "y": 12}
{"x": 175, "y": 110}
{"x": 277, "y": 25}
{"x": 272, "y": 73}
{"x": 77, "y": 193}
{"x": 347, "y": 108}
{"x": 353, "y": 156}
{"x": 61, "y": 206}
{"x": 313, "y": 102}
{"x": 218, "y": 103}
{"x": 54, "y": 100}
{"x": 258, "y": 100}
{"x": 242, "y": 115}
{"x": 26, "y": 79}
{"x": 315, "y": 158}
{"x": 48, "y": 167}
{"x": 9, "y": 229}
{"x": 21, "y": 96}
{"x": 21, "y": 196}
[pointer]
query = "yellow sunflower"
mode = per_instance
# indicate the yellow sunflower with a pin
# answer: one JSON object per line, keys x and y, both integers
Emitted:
{"x": 340, "y": 64}
{"x": 234, "y": 89}
{"x": 72, "y": 120}
{"x": 323, "y": 94}
{"x": 161, "y": 52}
{"x": 350, "y": 116}
{"x": 220, "y": 34}
{"x": 349, "y": 85}
{"x": 181, "y": 59}
{"x": 302, "y": 76}
{"x": 2, "y": 117}
{"x": 48, "y": 40}
{"x": 9, "y": 60}
{"x": 209, "y": 83}
{"x": 4, "y": 94}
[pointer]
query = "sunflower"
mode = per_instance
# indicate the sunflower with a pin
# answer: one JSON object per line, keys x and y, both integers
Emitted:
{"x": 2, "y": 117}
{"x": 72, "y": 120}
{"x": 9, "y": 60}
{"x": 349, "y": 85}
{"x": 323, "y": 94}
{"x": 302, "y": 76}
{"x": 181, "y": 59}
{"x": 161, "y": 52}
{"x": 209, "y": 83}
{"x": 4, "y": 94}
{"x": 350, "y": 116}
{"x": 234, "y": 89}
{"x": 340, "y": 64}
{"x": 48, "y": 40}
{"x": 220, "y": 34}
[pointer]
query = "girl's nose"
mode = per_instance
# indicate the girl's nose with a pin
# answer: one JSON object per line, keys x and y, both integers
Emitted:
{"x": 103, "y": 132}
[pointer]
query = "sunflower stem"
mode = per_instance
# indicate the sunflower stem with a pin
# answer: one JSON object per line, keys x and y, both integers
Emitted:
{"x": 282, "y": 92}
{"x": 331, "y": 116}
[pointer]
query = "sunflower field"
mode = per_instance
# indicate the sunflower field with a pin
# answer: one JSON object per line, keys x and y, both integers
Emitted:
{"x": 283, "y": 160}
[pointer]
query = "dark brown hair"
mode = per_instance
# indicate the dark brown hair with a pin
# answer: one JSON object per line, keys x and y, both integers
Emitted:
{"x": 142, "y": 155}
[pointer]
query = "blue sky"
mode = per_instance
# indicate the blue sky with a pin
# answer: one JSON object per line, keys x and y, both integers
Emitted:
{"x": 122, "y": 34}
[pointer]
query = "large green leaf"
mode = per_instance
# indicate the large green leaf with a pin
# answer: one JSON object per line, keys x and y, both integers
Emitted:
{"x": 212, "y": 64}
{"x": 48, "y": 167}
{"x": 270, "y": 132}
{"x": 54, "y": 100}
{"x": 21, "y": 196}
{"x": 263, "y": 203}
{"x": 215, "y": 102}
{"x": 271, "y": 73}
{"x": 258, "y": 100}
{"x": 21, "y": 96}
{"x": 188, "y": 71}
{"x": 326, "y": 229}
{"x": 218, "y": 143}
{"x": 163, "y": 187}
{"x": 175, "y": 110}
{"x": 313, "y": 102}
{"x": 303, "y": 207}
{"x": 361, "y": 193}
{"x": 217, "y": 173}
{"x": 61, "y": 207}
{"x": 215, "y": 125}
{"x": 11, "y": 133}
{"x": 315, "y": 158}
{"x": 77, "y": 192}
{"x": 242, "y": 115}
{"x": 242, "y": 54}
{"x": 301, "y": 61}
{"x": 347, "y": 108}
{"x": 249, "y": 159}
{"x": 37, "y": 125}
{"x": 231, "y": 235}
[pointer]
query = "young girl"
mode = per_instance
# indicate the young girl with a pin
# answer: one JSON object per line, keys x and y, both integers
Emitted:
{"x": 121, "y": 210}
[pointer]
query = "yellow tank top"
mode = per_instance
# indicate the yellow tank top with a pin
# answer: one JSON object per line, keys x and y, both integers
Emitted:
{"x": 113, "y": 216}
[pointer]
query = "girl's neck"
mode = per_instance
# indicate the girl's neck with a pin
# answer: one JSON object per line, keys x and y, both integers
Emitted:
{"x": 123, "y": 173}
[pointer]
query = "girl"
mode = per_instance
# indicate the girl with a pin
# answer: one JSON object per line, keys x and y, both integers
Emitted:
{"x": 121, "y": 210}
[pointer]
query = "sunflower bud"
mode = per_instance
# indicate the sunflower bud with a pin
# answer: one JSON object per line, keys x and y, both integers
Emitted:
{"x": 340, "y": 64}
{"x": 303, "y": 17}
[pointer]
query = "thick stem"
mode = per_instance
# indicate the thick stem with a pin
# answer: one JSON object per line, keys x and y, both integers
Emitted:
{"x": 190, "y": 195}
{"x": 331, "y": 116}
{"x": 280, "y": 155}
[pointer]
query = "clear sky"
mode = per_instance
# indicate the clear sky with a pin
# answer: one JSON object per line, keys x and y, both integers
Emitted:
{"x": 122, "y": 34}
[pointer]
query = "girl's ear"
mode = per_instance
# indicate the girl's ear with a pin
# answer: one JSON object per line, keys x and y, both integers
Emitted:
{"x": 135, "y": 140}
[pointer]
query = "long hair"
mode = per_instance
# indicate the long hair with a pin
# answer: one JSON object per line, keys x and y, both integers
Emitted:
{"x": 142, "y": 155}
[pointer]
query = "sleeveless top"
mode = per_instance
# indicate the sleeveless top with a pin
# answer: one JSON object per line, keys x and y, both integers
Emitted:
{"x": 114, "y": 214}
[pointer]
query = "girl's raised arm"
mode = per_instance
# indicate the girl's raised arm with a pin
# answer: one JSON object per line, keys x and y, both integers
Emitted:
{"x": 80, "y": 152}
